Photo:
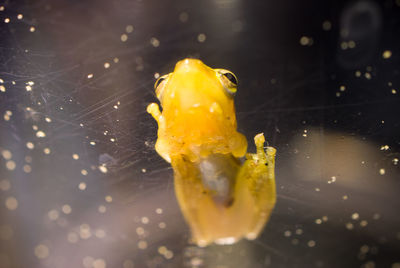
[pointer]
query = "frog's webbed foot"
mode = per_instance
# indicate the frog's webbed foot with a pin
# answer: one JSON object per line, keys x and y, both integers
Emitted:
{"x": 154, "y": 110}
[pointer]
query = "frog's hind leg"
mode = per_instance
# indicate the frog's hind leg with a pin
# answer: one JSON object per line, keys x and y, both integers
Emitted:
{"x": 258, "y": 175}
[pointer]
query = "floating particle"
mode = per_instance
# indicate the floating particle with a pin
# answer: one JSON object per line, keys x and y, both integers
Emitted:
{"x": 394, "y": 91}
{"x": 32, "y": 29}
{"x": 92, "y": 143}
{"x": 46, "y": 150}
{"x": 156, "y": 75}
{"x": 53, "y": 214}
{"x": 325, "y": 218}
{"x": 342, "y": 88}
{"x": 154, "y": 42}
{"x": 88, "y": 262}
{"x": 363, "y": 223}
{"x": 85, "y": 231}
{"x": 201, "y": 38}
{"x": 28, "y": 88}
{"x": 129, "y": 28}
{"x": 344, "y": 45}
{"x": 317, "y": 189}
{"x": 30, "y": 145}
{"x": 352, "y": 44}
{"x": 7, "y": 20}
{"x": 162, "y": 250}
{"x": 99, "y": 263}
{"x": 349, "y": 226}
{"x": 106, "y": 65}
{"x": 128, "y": 264}
{"x": 28, "y": 159}
{"x": 326, "y": 25}
{"x": 311, "y": 243}
{"x": 10, "y": 165}
{"x": 2, "y": 8}
{"x": 66, "y": 209}
{"x": 142, "y": 244}
{"x": 386, "y": 54}
{"x": 357, "y": 73}
{"x": 382, "y": 171}
{"x": 20, "y": 16}
{"x": 6, "y": 154}
{"x": 337, "y": 94}
{"x": 355, "y": 216}
{"x": 159, "y": 211}
{"x": 299, "y": 231}
{"x": 75, "y": 156}
{"x": 84, "y": 172}
{"x": 183, "y": 17}
{"x": 11, "y": 203}
{"x": 145, "y": 220}
{"x": 140, "y": 231}
{"x": 144, "y": 170}
{"x": 89, "y": 76}
{"x": 169, "y": 255}
{"x": 112, "y": 139}
{"x": 40, "y": 134}
{"x": 27, "y": 168}
{"x": 2, "y": 88}
{"x": 287, "y": 233}
{"x": 100, "y": 233}
{"x": 115, "y": 60}
{"x": 395, "y": 161}
{"x": 295, "y": 241}
{"x": 48, "y": 119}
{"x": 108, "y": 199}
{"x": 82, "y": 186}
{"x": 385, "y": 147}
{"x": 72, "y": 237}
{"x": 34, "y": 127}
{"x": 102, "y": 209}
{"x": 306, "y": 41}
{"x": 7, "y": 115}
{"x": 124, "y": 37}
{"x": 5, "y": 185}
{"x": 368, "y": 76}
{"x": 318, "y": 221}
{"x": 41, "y": 251}
{"x": 376, "y": 216}
{"x": 162, "y": 225}
{"x": 103, "y": 169}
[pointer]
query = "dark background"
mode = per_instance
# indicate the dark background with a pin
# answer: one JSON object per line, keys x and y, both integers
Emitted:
{"x": 332, "y": 112}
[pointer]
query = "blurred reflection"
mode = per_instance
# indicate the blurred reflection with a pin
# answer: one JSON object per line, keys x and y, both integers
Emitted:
{"x": 360, "y": 29}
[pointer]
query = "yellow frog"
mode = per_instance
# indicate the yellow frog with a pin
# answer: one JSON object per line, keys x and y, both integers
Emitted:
{"x": 221, "y": 198}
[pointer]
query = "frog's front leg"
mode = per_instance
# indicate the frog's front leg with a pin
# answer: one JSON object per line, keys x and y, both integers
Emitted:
{"x": 256, "y": 185}
{"x": 162, "y": 147}
{"x": 154, "y": 110}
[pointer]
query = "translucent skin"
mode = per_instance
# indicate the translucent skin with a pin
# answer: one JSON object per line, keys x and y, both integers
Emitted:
{"x": 222, "y": 199}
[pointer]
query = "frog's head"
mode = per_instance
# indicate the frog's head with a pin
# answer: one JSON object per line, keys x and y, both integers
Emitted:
{"x": 194, "y": 83}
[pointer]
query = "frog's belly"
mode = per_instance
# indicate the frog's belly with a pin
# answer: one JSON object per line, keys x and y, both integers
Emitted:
{"x": 221, "y": 217}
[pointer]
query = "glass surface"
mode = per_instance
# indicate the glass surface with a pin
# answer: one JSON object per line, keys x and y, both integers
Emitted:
{"x": 82, "y": 186}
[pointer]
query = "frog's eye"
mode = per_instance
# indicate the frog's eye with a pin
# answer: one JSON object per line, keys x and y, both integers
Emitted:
{"x": 159, "y": 85}
{"x": 228, "y": 80}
